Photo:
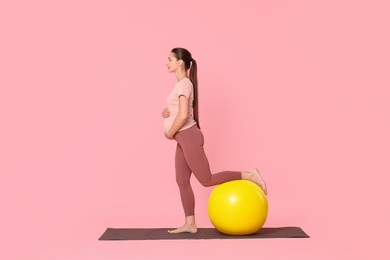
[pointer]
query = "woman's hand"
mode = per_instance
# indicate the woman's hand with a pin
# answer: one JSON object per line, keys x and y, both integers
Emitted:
{"x": 169, "y": 136}
{"x": 165, "y": 113}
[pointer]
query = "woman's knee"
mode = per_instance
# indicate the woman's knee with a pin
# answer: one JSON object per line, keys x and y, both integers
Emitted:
{"x": 206, "y": 182}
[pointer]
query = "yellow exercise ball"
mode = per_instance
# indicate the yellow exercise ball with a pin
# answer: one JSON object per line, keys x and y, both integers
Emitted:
{"x": 238, "y": 207}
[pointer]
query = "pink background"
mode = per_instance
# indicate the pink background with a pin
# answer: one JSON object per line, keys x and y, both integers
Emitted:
{"x": 299, "y": 89}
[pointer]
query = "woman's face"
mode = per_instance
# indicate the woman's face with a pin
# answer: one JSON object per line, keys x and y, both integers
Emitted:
{"x": 173, "y": 64}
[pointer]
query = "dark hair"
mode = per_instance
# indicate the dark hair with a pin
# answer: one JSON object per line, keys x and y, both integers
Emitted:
{"x": 190, "y": 64}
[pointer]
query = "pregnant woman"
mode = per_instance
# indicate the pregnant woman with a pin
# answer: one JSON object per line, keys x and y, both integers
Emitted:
{"x": 181, "y": 123}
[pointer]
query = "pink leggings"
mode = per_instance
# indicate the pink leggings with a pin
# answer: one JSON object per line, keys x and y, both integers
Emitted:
{"x": 190, "y": 157}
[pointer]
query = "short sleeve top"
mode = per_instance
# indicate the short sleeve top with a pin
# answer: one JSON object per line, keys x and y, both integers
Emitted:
{"x": 182, "y": 87}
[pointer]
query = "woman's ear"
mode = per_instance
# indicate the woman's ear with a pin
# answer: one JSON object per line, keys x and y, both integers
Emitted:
{"x": 180, "y": 63}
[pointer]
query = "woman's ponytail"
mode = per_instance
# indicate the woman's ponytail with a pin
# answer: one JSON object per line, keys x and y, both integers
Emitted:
{"x": 194, "y": 80}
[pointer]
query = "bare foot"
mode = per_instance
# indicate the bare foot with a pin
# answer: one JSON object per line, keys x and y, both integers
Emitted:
{"x": 187, "y": 228}
{"x": 256, "y": 178}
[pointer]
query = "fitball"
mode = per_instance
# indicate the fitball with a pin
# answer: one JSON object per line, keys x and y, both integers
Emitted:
{"x": 238, "y": 207}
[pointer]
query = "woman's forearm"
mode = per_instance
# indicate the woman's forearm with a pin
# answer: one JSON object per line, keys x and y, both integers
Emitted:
{"x": 179, "y": 122}
{"x": 181, "y": 118}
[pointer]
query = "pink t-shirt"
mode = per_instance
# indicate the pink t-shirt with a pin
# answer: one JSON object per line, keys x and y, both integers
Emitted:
{"x": 183, "y": 87}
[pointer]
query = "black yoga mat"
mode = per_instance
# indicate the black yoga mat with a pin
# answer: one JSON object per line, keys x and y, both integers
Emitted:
{"x": 203, "y": 233}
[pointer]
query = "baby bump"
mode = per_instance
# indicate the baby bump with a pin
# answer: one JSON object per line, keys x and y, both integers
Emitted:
{"x": 168, "y": 123}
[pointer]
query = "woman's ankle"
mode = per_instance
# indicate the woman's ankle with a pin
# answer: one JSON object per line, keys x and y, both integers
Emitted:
{"x": 190, "y": 220}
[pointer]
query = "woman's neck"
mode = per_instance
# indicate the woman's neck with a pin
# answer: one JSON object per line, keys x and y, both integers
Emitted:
{"x": 180, "y": 75}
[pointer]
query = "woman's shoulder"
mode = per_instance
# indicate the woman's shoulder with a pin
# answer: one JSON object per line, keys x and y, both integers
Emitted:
{"x": 184, "y": 86}
{"x": 184, "y": 81}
